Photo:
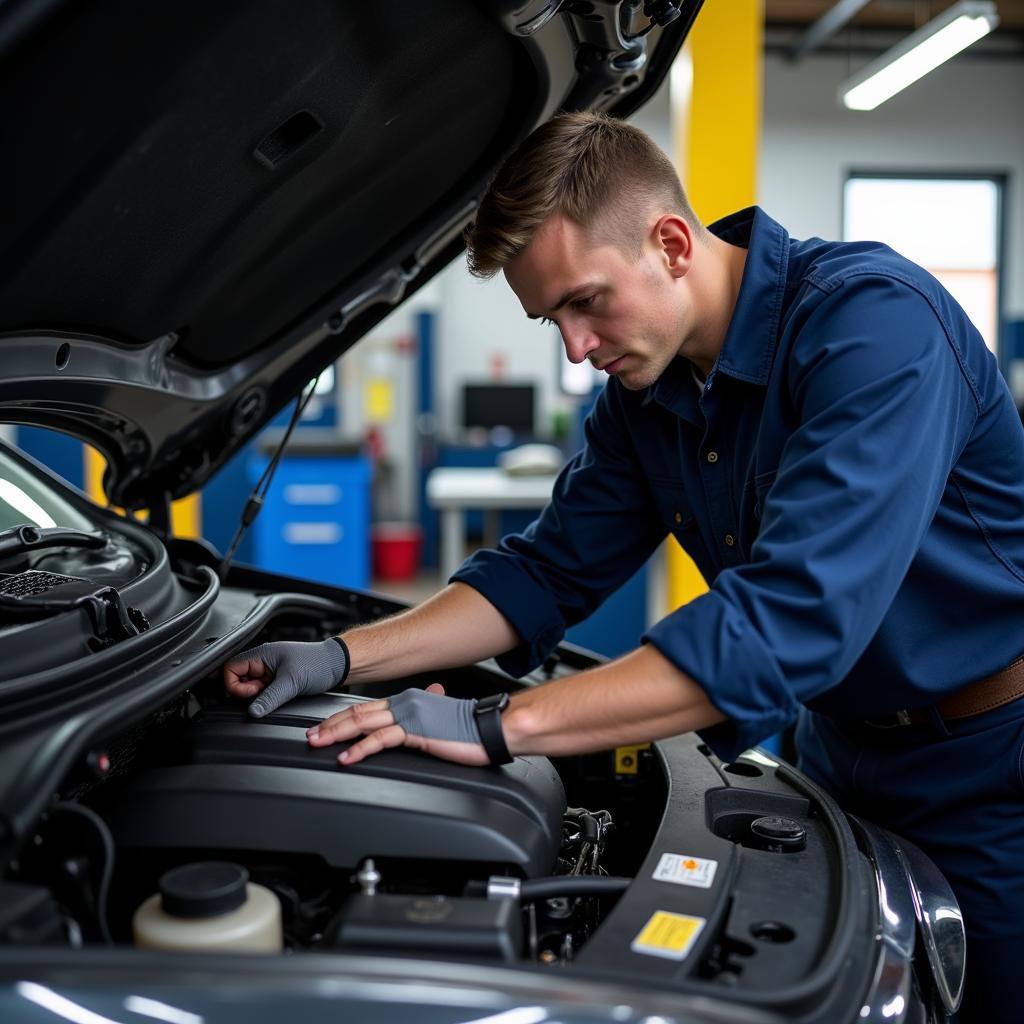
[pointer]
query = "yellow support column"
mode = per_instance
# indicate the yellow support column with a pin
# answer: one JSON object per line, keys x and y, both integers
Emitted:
{"x": 716, "y": 111}
{"x": 186, "y": 513}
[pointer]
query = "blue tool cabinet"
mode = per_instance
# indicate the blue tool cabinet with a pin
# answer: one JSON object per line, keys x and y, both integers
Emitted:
{"x": 316, "y": 519}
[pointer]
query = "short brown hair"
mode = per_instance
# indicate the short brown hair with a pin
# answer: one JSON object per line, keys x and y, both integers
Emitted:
{"x": 601, "y": 173}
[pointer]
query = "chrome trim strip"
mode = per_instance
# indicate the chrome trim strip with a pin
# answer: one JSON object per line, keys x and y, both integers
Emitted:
{"x": 888, "y": 994}
{"x": 914, "y": 898}
{"x": 896, "y": 915}
{"x": 941, "y": 923}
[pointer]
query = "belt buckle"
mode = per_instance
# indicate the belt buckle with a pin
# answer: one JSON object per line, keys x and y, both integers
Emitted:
{"x": 901, "y": 717}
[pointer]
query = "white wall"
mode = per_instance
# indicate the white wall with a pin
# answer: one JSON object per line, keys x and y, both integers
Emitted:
{"x": 479, "y": 319}
{"x": 967, "y": 116}
{"x": 383, "y": 355}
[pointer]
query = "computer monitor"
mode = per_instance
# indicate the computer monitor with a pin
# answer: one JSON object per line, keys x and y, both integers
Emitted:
{"x": 499, "y": 405}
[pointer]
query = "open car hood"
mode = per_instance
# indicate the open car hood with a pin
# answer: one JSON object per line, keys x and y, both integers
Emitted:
{"x": 205, "y": 205}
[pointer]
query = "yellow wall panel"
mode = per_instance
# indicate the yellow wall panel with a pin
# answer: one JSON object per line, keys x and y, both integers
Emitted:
{"x": 723, "y": 127}
{"x": 716, "y": 110}
{"x": 186, "y": 513}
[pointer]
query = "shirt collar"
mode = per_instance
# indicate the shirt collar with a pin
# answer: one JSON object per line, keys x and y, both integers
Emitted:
{"x": 749, "y": 346}
{"x": 675, "y": 391}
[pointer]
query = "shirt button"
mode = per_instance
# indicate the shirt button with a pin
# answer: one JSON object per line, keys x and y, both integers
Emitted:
{"x": 679, "y": 517}
{"x": 712, "y": 457}
{"x": 730, "y": 540}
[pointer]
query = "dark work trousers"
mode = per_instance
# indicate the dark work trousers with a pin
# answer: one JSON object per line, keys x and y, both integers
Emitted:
{"x": 956, "y": 790}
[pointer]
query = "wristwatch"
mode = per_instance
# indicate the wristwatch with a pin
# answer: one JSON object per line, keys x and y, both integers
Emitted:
{"x": 487, "y": 713}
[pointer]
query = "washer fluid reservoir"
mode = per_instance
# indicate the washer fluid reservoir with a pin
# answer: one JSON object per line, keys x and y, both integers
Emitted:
{"x": 209, "y": 906}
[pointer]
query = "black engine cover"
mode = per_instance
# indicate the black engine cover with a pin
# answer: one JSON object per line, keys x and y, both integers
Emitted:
{"x": 257, "y": 785}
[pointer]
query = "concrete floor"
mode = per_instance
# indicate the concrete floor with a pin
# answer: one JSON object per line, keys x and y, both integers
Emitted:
{"x": 413, "y": 591}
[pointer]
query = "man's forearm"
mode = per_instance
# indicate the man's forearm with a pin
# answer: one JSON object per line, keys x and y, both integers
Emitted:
{"x": 639, "y": 697}
{"x": 457, "y": 626}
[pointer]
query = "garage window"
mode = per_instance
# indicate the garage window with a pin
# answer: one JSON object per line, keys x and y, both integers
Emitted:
{"x": 949, "y": 225}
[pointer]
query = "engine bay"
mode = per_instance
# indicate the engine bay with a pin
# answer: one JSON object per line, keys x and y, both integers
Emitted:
{"x": 151, "y": 811}
{"x": 402, "y": 838}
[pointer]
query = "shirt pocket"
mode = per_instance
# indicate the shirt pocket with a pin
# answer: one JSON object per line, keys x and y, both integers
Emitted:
{"x": 758, "y": 489}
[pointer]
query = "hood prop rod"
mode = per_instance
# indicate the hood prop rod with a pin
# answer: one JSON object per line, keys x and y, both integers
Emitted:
{"x": 159, "y": 519}
{"x": 255, "y": 500}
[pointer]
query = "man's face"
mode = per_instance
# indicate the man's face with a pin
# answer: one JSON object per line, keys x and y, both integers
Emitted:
{"x": 626, "y": 315}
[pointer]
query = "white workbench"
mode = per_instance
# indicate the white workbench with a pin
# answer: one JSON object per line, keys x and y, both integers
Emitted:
{"x": 452, "y": 491}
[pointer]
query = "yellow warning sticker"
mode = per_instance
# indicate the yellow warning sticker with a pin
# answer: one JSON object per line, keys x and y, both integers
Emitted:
{"x": 668, "y": 935}
{"x": 627, "y": 759}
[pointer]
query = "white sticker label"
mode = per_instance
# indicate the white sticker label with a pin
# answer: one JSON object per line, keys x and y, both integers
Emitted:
{"x": 683, "y": 870}
{"x": 668, "y": 935}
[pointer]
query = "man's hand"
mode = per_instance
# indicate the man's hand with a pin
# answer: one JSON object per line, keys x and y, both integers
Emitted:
{"x": 425, "y": 720}
{"x": 276, "y": 673}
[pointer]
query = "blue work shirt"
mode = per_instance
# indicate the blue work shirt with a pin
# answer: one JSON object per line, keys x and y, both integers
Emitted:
{"x": 849, "y": 481}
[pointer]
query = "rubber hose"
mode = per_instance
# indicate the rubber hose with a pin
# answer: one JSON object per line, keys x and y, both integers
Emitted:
{"x": 572, "y": 885}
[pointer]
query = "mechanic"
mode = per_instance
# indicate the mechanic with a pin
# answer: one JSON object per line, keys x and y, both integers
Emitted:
{"x": 825, "y": 432}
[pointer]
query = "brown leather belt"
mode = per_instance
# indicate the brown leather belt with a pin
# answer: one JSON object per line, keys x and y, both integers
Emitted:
{"x": 976, "y": 698}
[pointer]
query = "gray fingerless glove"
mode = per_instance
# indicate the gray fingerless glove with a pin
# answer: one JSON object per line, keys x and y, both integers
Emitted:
{"x": 300, "y": 669}
{"x": 435, "y": 716}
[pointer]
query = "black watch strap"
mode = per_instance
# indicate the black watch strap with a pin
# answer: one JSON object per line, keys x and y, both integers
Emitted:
{"x": 488, "y": 723}
{"x": 348, "y": 658}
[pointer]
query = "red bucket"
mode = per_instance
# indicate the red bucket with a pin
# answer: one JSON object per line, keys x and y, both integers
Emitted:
{"x": 396, "y": 550}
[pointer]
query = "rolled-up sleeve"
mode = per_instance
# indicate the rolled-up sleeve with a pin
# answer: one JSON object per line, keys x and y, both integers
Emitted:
{"x": 598, "y": 529}
{"x": 883, "y": 406}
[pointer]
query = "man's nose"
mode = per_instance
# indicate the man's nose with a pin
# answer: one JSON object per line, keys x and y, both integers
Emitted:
{"x": 578, "y": 341}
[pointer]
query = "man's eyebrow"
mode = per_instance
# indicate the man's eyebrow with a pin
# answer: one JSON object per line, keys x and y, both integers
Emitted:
{"x": 567, "y": 296}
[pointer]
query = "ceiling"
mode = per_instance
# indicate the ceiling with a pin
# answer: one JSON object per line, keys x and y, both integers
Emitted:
{"x": 880, "y": 23}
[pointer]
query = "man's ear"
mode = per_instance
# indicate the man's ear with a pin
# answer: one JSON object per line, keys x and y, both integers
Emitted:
{"x": 674, "y": 240}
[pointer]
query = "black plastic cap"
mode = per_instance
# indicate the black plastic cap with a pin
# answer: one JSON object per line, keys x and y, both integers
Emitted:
{"x": 783, "y": 833}
{"x": 205, "y": 889}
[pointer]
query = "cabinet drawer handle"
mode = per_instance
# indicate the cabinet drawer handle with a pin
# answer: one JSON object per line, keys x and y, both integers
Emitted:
{"x": 312, "y": 533}
{"x": 312, "y": 494}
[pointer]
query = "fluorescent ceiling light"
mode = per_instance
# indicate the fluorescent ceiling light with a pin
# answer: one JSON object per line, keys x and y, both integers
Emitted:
{"x": 922, "y": 51}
